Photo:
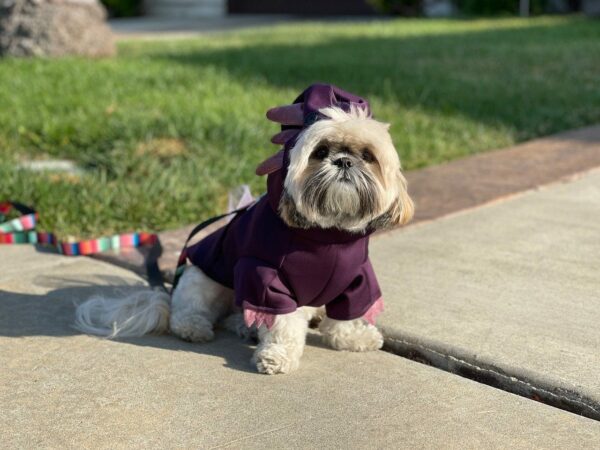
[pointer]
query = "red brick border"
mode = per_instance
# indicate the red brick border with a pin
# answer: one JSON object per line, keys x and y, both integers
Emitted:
{"x": 469, "y": 182}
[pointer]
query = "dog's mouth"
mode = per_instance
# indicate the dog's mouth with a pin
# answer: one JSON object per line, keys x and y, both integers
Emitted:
{"x": 343, "y": 198}
{"x": 344, "y": 177}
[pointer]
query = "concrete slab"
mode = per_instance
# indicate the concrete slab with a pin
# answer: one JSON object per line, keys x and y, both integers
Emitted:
{"x": 62, "y": 389}
{"x": 509, "y": 292}
{"x": 17, "y": 259}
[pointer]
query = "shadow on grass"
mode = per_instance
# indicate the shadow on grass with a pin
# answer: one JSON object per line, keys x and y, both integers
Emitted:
{"x": 52, "y": 314}
{"x": 535, "y": 80}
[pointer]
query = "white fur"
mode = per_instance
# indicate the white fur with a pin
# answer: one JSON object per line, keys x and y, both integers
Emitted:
{"x": 351, "y": 335}
{"x": 197, "y": 304}
{"x": 235, "y": 323}
{"x": 281, "y": 347}
{"x": 140, "y": 313}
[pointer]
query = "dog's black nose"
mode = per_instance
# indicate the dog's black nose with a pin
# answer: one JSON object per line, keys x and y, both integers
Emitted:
{"x": 343, "y": 163}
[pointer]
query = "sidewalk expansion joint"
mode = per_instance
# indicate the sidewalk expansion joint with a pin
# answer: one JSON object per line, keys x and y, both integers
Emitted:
{"x": 560, "y": 398}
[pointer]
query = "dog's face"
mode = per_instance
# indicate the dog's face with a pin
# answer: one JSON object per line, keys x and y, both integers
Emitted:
{"x": 345, "y": 173}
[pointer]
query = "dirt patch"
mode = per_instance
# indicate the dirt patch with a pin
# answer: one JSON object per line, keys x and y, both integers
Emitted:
{"x": 164, "y": 148}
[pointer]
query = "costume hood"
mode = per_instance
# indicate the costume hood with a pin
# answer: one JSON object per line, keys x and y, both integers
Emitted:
{"x": 294, "y": 119}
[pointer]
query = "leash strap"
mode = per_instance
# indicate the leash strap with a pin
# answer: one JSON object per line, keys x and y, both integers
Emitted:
{"x": 21, "y": 230}
{"x": 182, "y": 262}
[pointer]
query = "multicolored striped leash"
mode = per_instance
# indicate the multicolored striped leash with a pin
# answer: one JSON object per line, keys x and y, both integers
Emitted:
{"x": 21, "y": 230}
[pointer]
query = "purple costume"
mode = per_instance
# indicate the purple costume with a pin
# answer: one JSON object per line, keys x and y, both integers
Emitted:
{"x": 274, "y": 268}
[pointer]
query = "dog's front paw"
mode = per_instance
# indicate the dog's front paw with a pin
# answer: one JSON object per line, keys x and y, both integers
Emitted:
{"x": 352, "y": 336}
{"x": 272, "y": 359}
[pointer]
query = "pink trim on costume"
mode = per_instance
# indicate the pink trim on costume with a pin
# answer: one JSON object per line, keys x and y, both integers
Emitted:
{"x": 257, "y": 318}
{"x": 375, "y": 309}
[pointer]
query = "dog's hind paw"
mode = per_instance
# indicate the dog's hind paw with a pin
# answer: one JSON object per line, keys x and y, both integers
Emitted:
{"x": 192, "y": 328}
{"x": 273, "y": 359}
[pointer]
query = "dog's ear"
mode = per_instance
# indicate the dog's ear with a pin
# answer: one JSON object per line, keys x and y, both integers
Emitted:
{"x": 403, "y": 209}
{"x": 271, "y": 164}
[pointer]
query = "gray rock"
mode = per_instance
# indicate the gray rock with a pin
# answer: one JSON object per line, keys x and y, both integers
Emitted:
{"x": 54, "y": 28}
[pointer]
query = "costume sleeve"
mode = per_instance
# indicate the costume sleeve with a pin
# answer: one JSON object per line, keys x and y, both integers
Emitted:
{"x": 259, "y": 288}
{"x": 358, "y": 299}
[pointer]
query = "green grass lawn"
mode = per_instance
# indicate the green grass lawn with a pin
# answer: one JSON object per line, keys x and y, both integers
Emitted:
{"x": 165, "y": 129}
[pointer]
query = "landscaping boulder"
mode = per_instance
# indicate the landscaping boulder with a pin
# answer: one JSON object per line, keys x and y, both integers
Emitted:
{"x": 54, "y": 28}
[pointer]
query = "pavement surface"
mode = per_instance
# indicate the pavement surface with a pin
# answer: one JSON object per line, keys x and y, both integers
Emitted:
{"x": 509, "y": 291}
{"x": 61, "y": 389}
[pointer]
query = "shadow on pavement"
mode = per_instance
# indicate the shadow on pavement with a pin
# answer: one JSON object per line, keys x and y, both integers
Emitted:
{"x": 51, "y": 313}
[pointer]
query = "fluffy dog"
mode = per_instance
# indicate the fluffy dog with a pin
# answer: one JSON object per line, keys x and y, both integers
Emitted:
{"x": 299, "y": 253}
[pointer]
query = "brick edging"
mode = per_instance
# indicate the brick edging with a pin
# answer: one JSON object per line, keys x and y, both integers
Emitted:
{"x": 479, "y": 179}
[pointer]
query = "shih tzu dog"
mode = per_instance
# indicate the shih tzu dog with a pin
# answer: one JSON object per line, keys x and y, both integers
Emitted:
{"x": 298, "y": 253}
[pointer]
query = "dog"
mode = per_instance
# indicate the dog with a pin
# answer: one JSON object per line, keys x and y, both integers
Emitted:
{"x": 299, "y": 254}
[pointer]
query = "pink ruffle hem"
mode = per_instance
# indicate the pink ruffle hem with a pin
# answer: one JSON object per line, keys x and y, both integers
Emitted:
{"x": 375, "y": 309}
{"x": 258, "y": 318}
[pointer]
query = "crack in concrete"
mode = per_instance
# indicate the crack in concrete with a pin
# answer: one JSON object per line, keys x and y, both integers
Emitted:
{"x": 494, "y": 376}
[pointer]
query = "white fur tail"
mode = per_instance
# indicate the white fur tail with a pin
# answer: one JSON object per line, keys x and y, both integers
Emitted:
{"x": 140, "y": 313}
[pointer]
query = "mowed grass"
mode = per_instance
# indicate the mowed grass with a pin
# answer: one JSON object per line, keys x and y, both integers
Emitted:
{"x": 163, "y": 131}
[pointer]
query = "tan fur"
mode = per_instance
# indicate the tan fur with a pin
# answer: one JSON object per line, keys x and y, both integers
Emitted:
{"x": 354, "y": 131}
{"x": 403, "y": 209}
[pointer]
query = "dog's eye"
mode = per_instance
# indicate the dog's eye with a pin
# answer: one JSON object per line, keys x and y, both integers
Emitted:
{"x": 367, "y": 156}
{"x": 321, "y": 152}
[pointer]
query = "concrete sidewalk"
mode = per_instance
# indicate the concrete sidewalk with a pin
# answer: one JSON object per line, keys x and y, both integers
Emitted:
{"x": 509, "y": 293}
{"x": 63, "y": 389}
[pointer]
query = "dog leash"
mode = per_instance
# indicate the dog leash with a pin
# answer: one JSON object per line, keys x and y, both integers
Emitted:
{"x": 182, "y": 261}
{"x": 22, "y": 230}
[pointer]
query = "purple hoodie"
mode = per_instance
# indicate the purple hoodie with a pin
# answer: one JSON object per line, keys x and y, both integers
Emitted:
{"x": 274, "y": 268}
